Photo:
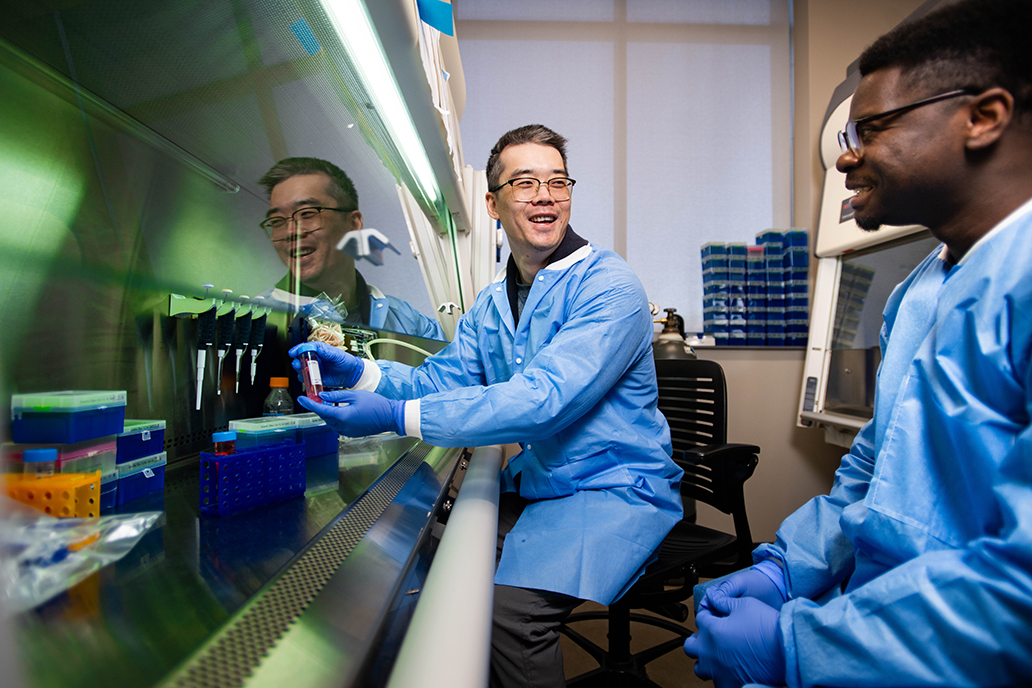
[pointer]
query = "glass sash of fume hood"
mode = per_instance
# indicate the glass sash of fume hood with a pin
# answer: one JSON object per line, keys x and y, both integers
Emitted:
{"x": 867, "y": 279}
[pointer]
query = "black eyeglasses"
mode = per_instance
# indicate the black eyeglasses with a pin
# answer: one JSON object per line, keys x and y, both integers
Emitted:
{"x": 525, "y": 189}
{"x": 850, "y": 139}
{"x": 307, "y": 221}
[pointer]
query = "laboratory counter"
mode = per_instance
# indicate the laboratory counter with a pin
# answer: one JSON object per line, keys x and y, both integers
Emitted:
{"x": 315, "y": 590}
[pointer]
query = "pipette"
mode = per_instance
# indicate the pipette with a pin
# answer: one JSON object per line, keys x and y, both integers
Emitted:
{"x": 205, "y": 338}
{"x": 241, "y": 336}
{"x": 225, "y": 328}
{"x": 257, "y": 340}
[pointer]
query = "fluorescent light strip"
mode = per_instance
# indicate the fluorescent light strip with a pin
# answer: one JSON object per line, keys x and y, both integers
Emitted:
{"x": 367, "y": 55}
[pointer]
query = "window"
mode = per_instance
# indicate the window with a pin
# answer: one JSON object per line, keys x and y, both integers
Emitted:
{"x": 678, "y": 114}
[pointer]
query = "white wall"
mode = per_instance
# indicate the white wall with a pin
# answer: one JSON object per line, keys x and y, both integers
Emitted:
{"x": 677, "y": 115}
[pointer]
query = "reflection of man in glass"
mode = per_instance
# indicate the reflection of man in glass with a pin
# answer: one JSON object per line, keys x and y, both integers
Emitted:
{"x": 312, "y": 205}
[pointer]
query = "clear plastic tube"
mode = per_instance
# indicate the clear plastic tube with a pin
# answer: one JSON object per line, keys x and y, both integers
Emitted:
{"x": 311, "y": 372}
{"x": 39, "y": 462}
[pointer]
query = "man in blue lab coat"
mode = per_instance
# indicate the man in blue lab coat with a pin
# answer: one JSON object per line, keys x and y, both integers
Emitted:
{"x": 557, "y": 356}
{"x": 916, "y": 570}
{"x": 312, "y": 205}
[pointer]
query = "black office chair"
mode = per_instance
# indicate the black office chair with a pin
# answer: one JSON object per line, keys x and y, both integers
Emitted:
{"x": 693, "y": 397}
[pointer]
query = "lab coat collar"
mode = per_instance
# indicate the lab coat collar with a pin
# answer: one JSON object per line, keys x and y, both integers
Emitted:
{"x": 1023, "y": 210}
{"x": 565, "y": 254}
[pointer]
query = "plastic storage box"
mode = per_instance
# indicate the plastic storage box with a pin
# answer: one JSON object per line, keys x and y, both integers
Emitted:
{"x": 261, "y": 432}
{"x": 66, "y": 417}
{"x": 140, "y": 477}
{"x": 97, "y": 454}
{"x": 231, "y": 483}
{"x": 319, "y": 438}
{"x": 322, "y": 472}
{"x": 141, "y": 438}
{"x": 109, "y": 491}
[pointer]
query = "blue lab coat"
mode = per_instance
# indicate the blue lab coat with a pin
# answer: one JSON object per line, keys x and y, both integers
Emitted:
{"x": 920, "y": 559}
{"x": 575, "y": 384}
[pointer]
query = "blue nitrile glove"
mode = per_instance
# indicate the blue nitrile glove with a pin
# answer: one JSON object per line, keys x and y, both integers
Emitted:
{"x": 338, "y": 367}
{"x": 366, "y": 413}
{"x": 739, "y": 642}
{"x": 764, "y": 581}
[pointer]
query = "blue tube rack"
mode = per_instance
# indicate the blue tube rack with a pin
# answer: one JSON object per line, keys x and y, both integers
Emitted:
{"x": 231, "y": 483}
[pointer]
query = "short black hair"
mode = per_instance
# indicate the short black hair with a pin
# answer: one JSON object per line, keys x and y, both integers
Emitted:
{"x": 341, "y": 189}
{"x": 974, "y": 44}
{"x": 530, "y": 133}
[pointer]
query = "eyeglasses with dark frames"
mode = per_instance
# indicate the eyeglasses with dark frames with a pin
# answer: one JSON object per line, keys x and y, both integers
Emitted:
{"x": 307, "y": 220}
{"x": 525, "y": 189}
{"x": 851, "y": 140}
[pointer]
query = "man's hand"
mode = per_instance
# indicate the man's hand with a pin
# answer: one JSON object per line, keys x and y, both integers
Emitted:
{"x": 365, "y": 413}
{"x": 764, "y": 581}
{"x": 338, "y": 368}
{"x": 738, "y": 642}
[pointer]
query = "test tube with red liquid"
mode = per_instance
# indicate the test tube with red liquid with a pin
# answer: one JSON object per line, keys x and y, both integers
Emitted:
{"x": 310, "y": 371}
{"x": 225, "y": 442}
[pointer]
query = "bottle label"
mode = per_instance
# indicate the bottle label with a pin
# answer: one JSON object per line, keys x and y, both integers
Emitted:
{"x": 314, "y": 374}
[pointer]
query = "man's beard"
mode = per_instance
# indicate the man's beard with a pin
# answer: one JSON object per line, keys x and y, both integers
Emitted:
{"x": 869, "y": 225}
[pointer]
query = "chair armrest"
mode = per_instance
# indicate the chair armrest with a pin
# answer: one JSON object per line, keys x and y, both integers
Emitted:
{"x": 715, "y": 473}
{"x": 719, "y": 452}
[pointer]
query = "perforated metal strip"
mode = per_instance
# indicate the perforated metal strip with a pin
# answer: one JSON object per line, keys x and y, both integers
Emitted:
{"x": 231, "y": 658}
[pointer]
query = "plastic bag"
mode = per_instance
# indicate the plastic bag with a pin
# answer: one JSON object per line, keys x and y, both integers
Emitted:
{"x": 325, "y": 316}
{"x": 42, "y": 556}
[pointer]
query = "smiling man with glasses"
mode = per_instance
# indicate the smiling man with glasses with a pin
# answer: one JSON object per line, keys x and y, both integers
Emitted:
{"x": 312, "y": 205}
{"x": 916, "y": 570}
{"x": 556, "y": 355}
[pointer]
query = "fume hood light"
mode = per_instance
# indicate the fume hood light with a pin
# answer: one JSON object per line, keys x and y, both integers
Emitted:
{"x": 351, "y": 22}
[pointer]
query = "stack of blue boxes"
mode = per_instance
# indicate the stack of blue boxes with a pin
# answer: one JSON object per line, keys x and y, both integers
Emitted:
{"x": 715, "y": 276}
{"x": 91, "y": 433}
{"x": 757, "y": 295}
{"x": 773, "y": 244}
{"x": 796, "y": 261}
{"x": 80, "y": 424}
{"x": 141, "y": 459}
{"x": 736, "y": 303}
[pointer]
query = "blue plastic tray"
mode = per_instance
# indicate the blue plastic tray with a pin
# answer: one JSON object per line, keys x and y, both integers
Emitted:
{"x": 140, "y": 438}
{"x": 251, "y": 478}
{"x": 141, "y": 477}
{"x": 66, "y": 417}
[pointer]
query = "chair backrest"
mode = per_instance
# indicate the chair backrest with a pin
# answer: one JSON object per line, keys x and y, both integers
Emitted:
{"x": 693, "y": 397}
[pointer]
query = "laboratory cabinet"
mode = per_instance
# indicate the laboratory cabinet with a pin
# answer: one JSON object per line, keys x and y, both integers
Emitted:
{"x": 132, "y": 138}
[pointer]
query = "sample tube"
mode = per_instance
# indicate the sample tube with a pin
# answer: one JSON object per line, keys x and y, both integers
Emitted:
{"x": 310, "y": 371}
{"x": 225, "y": 442}
{"x": 39, "y": 462}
